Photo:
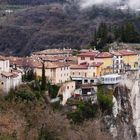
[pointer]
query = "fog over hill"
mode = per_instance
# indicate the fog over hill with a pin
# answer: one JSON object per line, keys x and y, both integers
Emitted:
{"x": 133, "y": 4}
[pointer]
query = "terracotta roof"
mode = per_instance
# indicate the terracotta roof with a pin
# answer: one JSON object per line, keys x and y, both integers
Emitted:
{"x": 25, "y": 62}
{"x": 88, "y": 54}
{"x": 9, "y": 74}
{"x": 97, "y": 64}
{"x": 51, "y": 65}
{"x": 127, "y": 52}
{"x": 3, "y": 58}
{"x": 53, "y": 52}
{"x": 104, "y": 55}
{"x": 116, "y": 53}
{"x": 53, "y": 58}
{"x": 79, "y": 67}
{"x": 72, "y": 58}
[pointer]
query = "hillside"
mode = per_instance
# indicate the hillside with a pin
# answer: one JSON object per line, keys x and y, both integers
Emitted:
{"x": 32, "y": 28}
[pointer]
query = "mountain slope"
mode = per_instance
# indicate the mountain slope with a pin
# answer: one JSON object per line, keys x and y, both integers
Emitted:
{"x": 53, "y": 26}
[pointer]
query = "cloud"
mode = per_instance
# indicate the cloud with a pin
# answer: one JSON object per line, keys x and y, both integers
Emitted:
{"x": 133, "y": 4}
{"x": 88, "y": 3}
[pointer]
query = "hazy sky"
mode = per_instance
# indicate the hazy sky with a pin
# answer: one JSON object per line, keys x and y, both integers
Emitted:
{"x": 134, "y": 4}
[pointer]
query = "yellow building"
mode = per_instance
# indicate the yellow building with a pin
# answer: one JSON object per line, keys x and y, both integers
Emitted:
{"x": 130, "y": 59}
{"x": 86, "y": 70}
{"x": 106, "y": 59}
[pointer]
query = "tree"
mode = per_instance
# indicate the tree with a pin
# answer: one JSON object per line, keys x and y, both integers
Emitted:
{"x": 43, "y": 82}
{"x": 102, "y": 34}
{"x": 104, "y": 97}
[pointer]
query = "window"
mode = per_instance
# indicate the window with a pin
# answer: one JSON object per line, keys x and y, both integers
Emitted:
{"x": 85, "y": 81}
{"x": 91, "y": 58}
{"x": 82, "y": 58}
{"x": 79, "y": 73}
{"x": 73, "y": 73}
{"x": 67, "y": 87}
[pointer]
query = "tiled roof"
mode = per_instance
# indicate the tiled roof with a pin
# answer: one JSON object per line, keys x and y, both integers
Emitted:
{"x": 56, "y": 65}
{"x": 116, "y": 53}
{"x": 97, "y": 64}
{"x": 72, "y": 58}
{"x": 104, "y": 55}
{"x": 9, "y": 74}
{"x": 79, "y": 67}
{"x": 127, "y": 52}
{"x": 88, "y": 54}
{"x": 53, "y": 52}
{"x": 3, "y": 58}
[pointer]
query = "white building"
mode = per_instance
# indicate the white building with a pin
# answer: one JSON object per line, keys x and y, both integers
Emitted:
{"x": 67, "y": 90}
{"x": 4, "y": 65}
{"x": 10, "y": 80}
{"x": 111, "y": 79}
{"x": 118, "y": 65}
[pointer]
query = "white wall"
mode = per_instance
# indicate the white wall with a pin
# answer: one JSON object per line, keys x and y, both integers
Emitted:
{"x": 4, "y": 66}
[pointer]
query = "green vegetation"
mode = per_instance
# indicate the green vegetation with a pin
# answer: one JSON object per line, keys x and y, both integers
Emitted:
{"x": 29, "y": 76}
{"x": 23, "y": 93}
{"x": 105, "y": 34}
{"x": 52, "y": 89}
{"x": 43, "y": 82}
{"x": 84, "y": 110}
{"x": 104, "y": 97}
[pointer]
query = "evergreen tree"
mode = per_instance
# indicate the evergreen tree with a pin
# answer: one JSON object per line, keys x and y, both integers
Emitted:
{"x": 102, "y": 35}
{"x": 43, "y": 84}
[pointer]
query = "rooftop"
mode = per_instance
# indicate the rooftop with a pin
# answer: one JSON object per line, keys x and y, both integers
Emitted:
{"x": 9, "y": 74}
{"x": 53, "y": 52}
{"x": 79, "y": 66}
{"x": 127, "y": 52}
{"x": 104, "y": 55}
{"x": 88, "y": 54}
{"x": 97, "y": 64}
{"x": 116, "y": 53}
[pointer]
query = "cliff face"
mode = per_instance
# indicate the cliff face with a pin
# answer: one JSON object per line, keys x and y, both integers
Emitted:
{"x": 125, "y": 121}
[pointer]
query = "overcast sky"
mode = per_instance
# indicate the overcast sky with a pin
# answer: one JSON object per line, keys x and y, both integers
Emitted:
{"x": 134, "y": 4}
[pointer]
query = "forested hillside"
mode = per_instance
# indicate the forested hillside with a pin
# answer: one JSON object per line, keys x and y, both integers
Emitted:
{"x": 35, "y": 27}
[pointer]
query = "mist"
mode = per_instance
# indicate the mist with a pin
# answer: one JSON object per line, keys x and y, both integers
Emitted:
{"x": 133, "y": 4}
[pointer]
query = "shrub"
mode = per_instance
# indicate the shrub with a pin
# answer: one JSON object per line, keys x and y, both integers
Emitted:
{"x": 104, "y": 97}
{"x": 85, "y": 110}
{"x": 53, "y": 90}
{"x": 24, "y": 93}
